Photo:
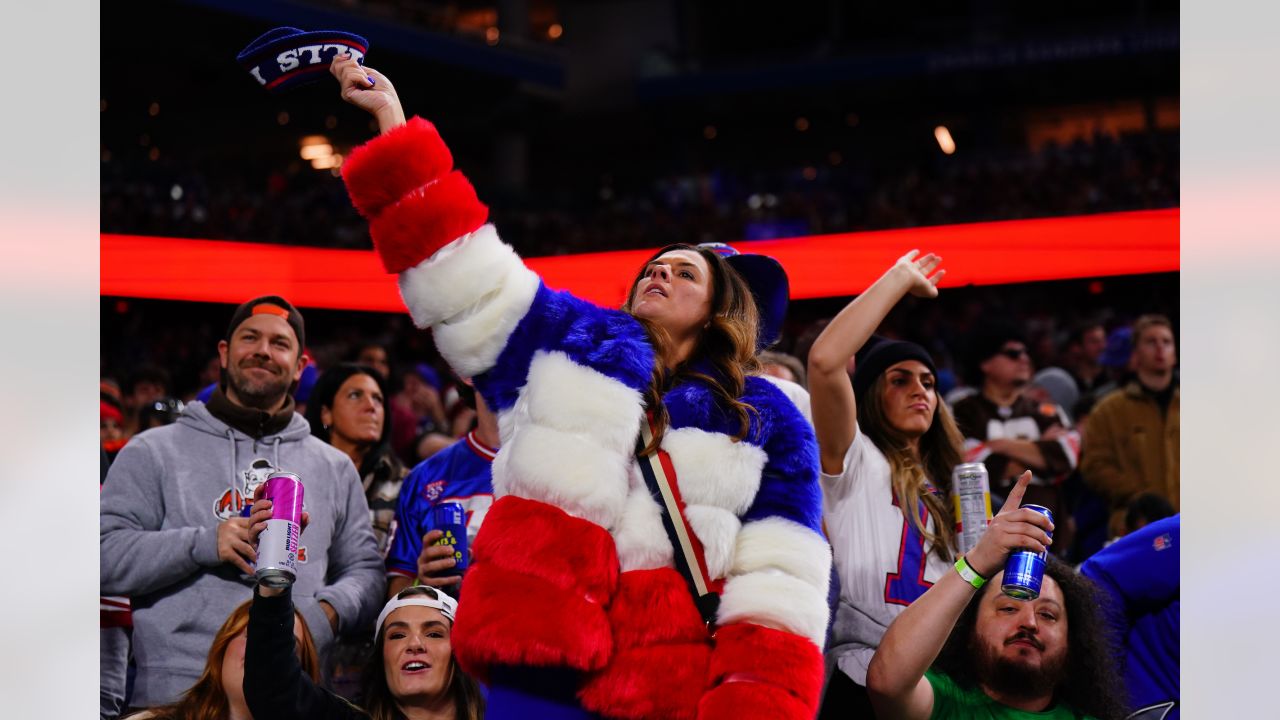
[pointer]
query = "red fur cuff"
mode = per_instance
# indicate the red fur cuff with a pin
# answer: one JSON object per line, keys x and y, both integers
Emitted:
{"x": 662, "y": 651}
{"x": 383, "y": 170}
{"x": 762, "y": 672}
{"x": 544, "y": 541}
{"x": 426, "y": 219}
{"x": 512, "y": 618}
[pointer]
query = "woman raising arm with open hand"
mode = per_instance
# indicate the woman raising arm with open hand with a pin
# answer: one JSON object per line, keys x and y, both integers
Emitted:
{"x": 888, "y": 445}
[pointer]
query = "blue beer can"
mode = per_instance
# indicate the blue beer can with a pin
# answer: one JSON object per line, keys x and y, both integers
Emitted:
{"x": 451, "y": 519}
{"x": 1024, "y": 570}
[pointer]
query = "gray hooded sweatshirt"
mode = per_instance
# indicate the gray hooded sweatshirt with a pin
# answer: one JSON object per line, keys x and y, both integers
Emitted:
{"x": 162, "y": 501}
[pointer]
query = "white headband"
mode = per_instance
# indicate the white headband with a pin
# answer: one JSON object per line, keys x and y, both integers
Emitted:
{"x": 442, "y": 602}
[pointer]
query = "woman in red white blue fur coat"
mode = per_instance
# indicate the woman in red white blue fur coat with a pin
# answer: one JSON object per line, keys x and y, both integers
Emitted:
{"x": 573, "y": 606}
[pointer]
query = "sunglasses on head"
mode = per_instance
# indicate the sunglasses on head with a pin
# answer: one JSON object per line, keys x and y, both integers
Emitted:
{"x": 1013, "y": 353}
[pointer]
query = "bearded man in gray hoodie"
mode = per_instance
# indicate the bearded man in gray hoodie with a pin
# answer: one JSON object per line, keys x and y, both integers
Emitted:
{"x": 171, "y": 536}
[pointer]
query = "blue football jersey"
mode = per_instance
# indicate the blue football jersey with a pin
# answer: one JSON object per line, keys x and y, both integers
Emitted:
{"x": 460, "y": 473}
{"x": 1140, "y": 572}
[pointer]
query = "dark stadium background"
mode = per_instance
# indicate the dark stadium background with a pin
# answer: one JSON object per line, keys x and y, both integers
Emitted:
{"x": 605, "y": 125}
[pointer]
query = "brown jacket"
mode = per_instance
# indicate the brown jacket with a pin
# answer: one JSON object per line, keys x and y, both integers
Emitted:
{"x": 1130, "y": 448}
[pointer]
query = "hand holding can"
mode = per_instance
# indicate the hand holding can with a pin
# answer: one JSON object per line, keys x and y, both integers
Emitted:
{"x": 1013, "y": 528}
{"x": 436, "y": 562}
{"x": 278, "y": 539}
{"x": 444, "y": 555}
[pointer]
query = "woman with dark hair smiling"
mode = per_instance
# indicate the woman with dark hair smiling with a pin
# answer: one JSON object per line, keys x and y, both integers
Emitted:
{"x": 588, "y": 596}
{"x": 410, "y": 674}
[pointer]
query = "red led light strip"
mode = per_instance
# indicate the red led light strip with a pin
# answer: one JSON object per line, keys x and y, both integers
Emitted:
{"x": 991, "y": 253}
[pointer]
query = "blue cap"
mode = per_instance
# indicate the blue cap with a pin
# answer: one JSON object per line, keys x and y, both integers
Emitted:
{"x": 1119, "y": 348}
{"x": 428, "y": 375}
{"x": 286, "y": 57}
{"x": 306, "y": 383}
{"x": 769, "y": 286}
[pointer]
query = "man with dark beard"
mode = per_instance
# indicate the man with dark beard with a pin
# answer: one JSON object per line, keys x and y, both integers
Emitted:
{"x": 172, "y": 535}
{"x": 964, "y": 649}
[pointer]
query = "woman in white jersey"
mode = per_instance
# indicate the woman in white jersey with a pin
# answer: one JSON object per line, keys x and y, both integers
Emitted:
{"x": 887, "y": 442}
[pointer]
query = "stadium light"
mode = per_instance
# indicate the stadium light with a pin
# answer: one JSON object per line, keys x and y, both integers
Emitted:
{"x": 945, "y": 141}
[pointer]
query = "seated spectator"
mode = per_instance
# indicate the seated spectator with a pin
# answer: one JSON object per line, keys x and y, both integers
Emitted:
{"x": 374, "y": 355}
{"x": 462, "y": 473}
{"x": 146, "y": 385}
{"x": 784, "y": 366}
{"x": 420, "y": 395}
{"x": 172, "y": 534}
{"x": 1008, "y": 431}
{"x": 1144, "y": 509}
{"x": 349, "y": 411}
{"x": 411, "y": 672}
{"x": 1140, "y": 572}
{"x": 219, "y": 693}
{"x": 966, "y": 650}
{"x": 111, "y": 426}
{"x": 306, "y": 383}
{"x": 1133, "y": 436}
{"x": 1117, "y": 362}
{"x": 1082, "y": 357}
{"x": 1054, "y": 386}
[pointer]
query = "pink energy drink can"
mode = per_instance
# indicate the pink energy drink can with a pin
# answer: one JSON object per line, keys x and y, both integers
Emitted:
{"x": 278, "y": 543}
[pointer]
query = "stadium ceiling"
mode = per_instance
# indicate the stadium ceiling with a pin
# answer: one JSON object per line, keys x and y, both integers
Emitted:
{"x": 990, "y": 253}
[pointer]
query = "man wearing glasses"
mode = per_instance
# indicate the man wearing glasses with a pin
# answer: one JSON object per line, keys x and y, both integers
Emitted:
{"x": 1007, "y": 431}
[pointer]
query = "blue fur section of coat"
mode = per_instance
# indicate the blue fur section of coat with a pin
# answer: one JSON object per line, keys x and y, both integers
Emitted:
{"x": 789, "y": 487}
{"x": 609, "y": 341}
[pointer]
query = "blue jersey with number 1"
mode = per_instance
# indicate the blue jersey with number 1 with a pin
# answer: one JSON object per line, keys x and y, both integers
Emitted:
{"x": 460, "y": 473}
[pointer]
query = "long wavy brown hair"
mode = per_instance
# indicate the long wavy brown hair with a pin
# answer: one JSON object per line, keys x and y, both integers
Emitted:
{"x": 727, "y": 344}
{"x": 206, "y": 700}
{"x": 941, "y": 449}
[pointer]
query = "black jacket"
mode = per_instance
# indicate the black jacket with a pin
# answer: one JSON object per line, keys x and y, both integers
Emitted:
{"x": 274, "y": 684}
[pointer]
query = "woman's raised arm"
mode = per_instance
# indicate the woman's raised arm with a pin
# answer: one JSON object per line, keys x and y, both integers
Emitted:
{"x": 835, "y": 412}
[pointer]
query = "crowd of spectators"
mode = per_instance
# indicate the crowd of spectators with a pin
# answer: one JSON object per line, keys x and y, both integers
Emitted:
{"x": 1087, "y": 358}
{"x": 295, "y": 204}
{"x": 1074, "y": 382}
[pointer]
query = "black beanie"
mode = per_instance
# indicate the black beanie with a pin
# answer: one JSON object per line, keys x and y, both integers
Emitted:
{"x": 878, "y": 355}
{"x": 275, "y": 305}
{"x": 987, "y": 340}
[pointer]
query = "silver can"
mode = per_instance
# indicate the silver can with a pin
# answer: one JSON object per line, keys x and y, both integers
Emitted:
{"x": 971, "y": 498}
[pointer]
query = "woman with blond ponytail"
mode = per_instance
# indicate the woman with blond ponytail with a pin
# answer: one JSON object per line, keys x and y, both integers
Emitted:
{"x": 887, "y": 446}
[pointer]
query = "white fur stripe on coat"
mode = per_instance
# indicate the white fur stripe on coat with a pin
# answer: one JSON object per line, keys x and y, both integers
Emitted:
{"x": 780, "y": 577}
{"x": 574, "y": 398}
{"x": 713, "y": 469}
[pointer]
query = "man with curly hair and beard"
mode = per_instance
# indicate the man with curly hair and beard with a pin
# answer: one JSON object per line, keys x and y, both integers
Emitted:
{"x": 964, "y": 649}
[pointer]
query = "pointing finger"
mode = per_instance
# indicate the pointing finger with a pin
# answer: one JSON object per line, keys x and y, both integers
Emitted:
{"x": 1014, "y": 501}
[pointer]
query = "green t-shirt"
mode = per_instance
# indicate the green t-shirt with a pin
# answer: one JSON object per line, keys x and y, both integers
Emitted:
{"x": 952, "y": 702}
